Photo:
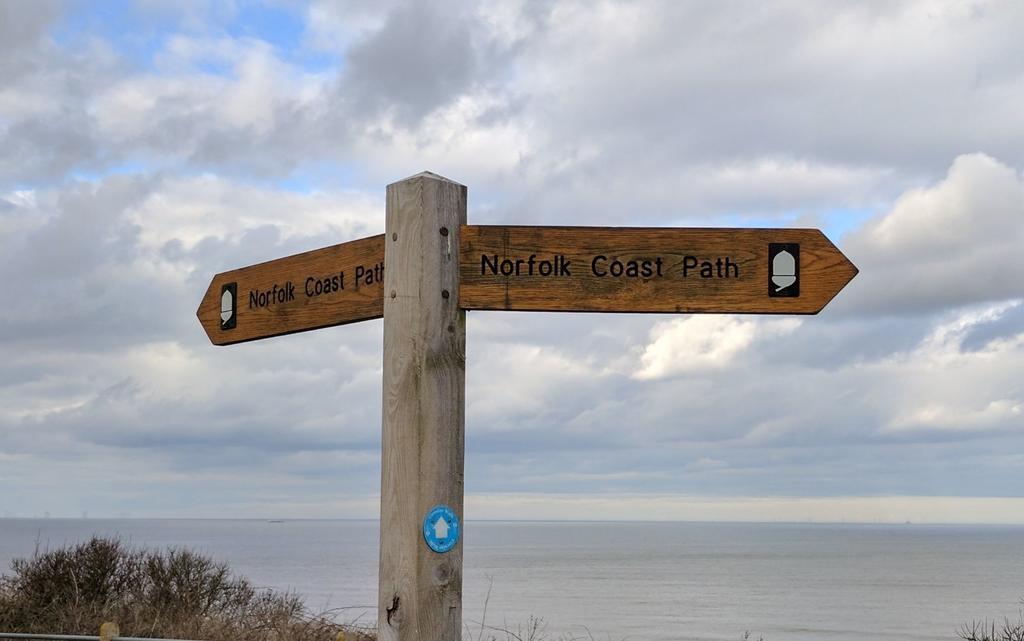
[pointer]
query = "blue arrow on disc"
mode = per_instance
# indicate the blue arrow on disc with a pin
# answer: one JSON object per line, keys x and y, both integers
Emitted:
{"x": 441, "y": 529}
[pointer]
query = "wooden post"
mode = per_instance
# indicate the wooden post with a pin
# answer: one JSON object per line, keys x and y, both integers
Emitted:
{"x": 423, "y": 442}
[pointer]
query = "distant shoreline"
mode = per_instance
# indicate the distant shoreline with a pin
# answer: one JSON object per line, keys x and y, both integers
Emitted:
{"x": 525, "y": 521}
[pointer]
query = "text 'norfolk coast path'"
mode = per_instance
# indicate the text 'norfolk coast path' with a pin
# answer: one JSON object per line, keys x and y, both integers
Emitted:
{"x": 555, "y": 269}
{"x": 321, "y": 288}
{"x": 668, "y": 270}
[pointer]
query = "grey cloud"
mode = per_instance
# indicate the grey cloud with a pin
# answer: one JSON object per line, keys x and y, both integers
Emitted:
{"x": 23, "y": 28}
{"x": 709, "y": 469}
{"x": 87, "y": 228}
{"x": 823, "y": 88}
{"x": 830, "y": 341}
{"x": 1007, "y": 326}
{"x": 420, "y": 59}
{"x": 47, "y": 146}
{"x": 426, "y": 56}
{"x": 75, "y": 269}
{"x": 244, "y": 415}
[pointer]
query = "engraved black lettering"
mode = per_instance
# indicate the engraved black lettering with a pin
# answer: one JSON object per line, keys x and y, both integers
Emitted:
{"x": 729, "y": 265}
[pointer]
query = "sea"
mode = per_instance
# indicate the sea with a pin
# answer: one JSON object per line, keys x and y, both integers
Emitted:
{"x": 613, "y": 581}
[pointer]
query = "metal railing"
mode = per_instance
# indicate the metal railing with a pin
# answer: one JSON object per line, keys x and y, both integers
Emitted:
{"x": 108, "y": 632}
{"x": 76, "y": 637}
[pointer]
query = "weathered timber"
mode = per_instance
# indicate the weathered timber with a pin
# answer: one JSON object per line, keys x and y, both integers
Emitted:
{"x": 667, "y": 270}
{"x": 322, "y": 288}
{"x": 423, "y": 441}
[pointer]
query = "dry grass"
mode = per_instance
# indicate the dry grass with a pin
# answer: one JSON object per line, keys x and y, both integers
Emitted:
{"x": 1008, "y": 630}
{"x": 172, "y": 594}
{"x": 176, "y": 594}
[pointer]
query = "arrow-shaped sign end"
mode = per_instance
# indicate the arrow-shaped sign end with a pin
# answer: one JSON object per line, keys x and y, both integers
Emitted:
{"x": 211, "y": 308}
{"x": 841, "y": 271}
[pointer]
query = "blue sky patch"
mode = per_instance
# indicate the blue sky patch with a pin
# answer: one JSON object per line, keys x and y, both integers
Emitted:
{"x": 139, "y": 36}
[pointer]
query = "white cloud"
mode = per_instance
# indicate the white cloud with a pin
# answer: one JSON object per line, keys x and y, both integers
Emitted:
{"x": 996, "y": 413}
{"x": 943, "y": 387}
{"x": 520, "y": 379}
{"x": 697, "y": 342}
{"x": 979, "y": 199}
{"x": 952, "y": 243}
{"x": 191, "y": 209}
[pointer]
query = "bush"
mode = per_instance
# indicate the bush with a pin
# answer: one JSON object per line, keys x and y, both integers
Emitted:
{"x": 172, "y": 594}
{"x": 991, "y": 631}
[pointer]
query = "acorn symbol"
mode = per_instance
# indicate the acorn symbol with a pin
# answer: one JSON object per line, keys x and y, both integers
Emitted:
{"x": 228, "y": 305}
{"x": 783, "y": 270}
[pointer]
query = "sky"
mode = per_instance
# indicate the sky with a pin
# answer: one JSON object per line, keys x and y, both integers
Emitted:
{"x": 146, "y": 146}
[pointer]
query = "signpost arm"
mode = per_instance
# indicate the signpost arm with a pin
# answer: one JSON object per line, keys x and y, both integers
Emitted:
{"x": 423, "y": 441}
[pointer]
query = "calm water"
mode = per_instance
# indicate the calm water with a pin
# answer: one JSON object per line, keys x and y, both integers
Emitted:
{"x": 631, "y": 580}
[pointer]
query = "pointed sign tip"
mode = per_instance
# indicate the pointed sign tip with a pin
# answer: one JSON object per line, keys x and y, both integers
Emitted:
{"x": 202, "y": 312}
{"x": 428, "y": 174}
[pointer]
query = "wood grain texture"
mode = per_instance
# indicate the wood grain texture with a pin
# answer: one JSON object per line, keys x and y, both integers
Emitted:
{"x": 356, "y": 302}
{"x": 824, "y": 270}
{"x": 423, "y": 441}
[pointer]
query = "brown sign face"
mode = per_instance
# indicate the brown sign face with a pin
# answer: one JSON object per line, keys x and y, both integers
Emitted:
{"x": 566, "y": 269}
{"x": 321, "y": 288}
{"x": 672, "y": 270}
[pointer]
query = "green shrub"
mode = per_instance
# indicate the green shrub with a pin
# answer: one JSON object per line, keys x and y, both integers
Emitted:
{"x": 172, "y": 594}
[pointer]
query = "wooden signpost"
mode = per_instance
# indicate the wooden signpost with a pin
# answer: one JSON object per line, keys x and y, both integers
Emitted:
{"x": 422, "y": 275}
{"x": 320, "y": 288}
{"x": 629, "y": 269}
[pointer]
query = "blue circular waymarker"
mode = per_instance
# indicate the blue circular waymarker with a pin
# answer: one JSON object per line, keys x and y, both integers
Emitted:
{"x": 441, "y": 529}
